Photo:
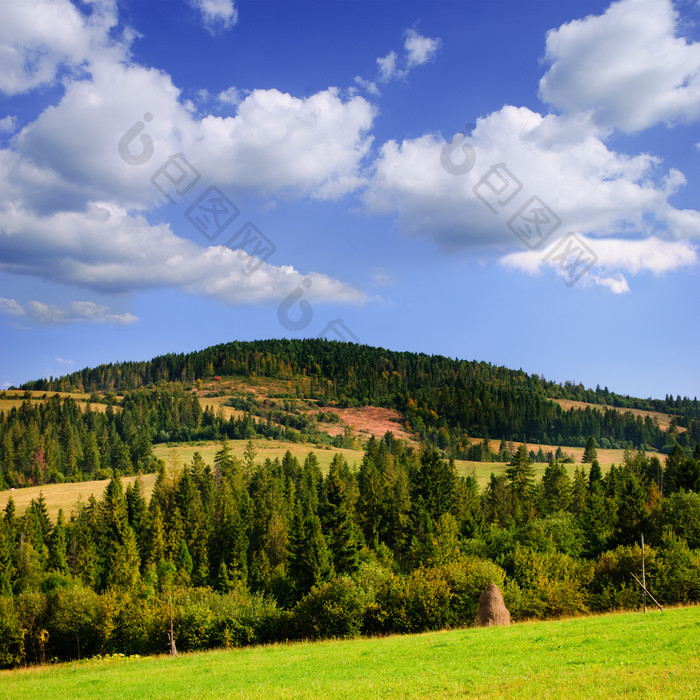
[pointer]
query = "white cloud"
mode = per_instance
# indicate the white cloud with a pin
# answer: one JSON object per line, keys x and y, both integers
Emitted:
{"x": 39, "y": 38}
{"x": 230, "y": 96}
{"x": 218, "y": 15}
{"x": 276, "y": 143}
{"x": 590, "y": 188}
{"x": 69, "y": 203}
{"x": 10, "y": 307}
{"x": 617, "y": 284}
{"x": 75, "y": 312}
{"x": 380, "y": 278}
{"x": 8, "y": 124}
{"x": 628, "y": 67}
{"x": 62, "y": 361}
{"x": 618, "y": 256}
{"x": 388, "y": 69}
{"x": 368, "y": 85}
{"x": 420, "y": 49}
{"x": 106, "y": 250}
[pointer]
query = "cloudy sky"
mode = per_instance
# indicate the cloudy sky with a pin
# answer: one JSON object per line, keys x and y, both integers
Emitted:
{"x": 511, "y": 182}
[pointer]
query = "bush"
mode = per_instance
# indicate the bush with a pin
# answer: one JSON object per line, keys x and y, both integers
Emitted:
{"x": 73, "y": 622}
{"x": 612, "y": 586}
{"x": 418, "y": 602}
{"x": 552, "y": 584}
{"x": 678, "y": 577}
{"x": 12, "y": 651}
{"x": 467, "y": 579}
{"x": 332, "y": 609}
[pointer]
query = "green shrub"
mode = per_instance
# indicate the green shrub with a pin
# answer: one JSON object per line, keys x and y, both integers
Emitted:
{"x": 552, "y": 584}
{"x": 12, "y": 650}
{"x": 332, "y": 609}
{"x": 467, "y": 579}
{"x": 415, "y": 603}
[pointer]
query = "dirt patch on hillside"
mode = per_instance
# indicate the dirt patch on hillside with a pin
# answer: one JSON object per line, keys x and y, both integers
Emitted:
{"x": 369, "y": 420}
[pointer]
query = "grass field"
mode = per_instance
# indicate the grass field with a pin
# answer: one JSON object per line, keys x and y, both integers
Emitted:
{"x": 612, "y": 656}
{"x": 663, "y": 419}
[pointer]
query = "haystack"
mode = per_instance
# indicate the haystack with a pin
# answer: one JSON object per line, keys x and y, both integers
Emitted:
{"x": 492, "y": 610}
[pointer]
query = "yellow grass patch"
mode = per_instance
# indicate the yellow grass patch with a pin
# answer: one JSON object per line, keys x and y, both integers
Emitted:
{"x": 663, "y": 419}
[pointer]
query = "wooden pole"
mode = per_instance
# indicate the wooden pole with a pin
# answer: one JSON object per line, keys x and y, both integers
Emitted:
{"x": 644, "y": 578}
{"x": 647, "y": 592}
{"x": 173, "y": 650}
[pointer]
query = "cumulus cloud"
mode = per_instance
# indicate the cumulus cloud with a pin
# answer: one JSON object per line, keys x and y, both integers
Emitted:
{"x": 75, "y": 312}
{"x": 276, "y": 143}
{"x": 628, "y": 67}
{"x": 218, "y": 15}
{"x": 388, "y": 69}
{"x": 71, "y": 207}
{"x": 590, "y": 187}
{"x": 105, "y": 249}
{"x": 615, "y": 258}
{"x": 41, "y": 38}
{"x": 369, "y": 85}
{"x": 563, "y": 162}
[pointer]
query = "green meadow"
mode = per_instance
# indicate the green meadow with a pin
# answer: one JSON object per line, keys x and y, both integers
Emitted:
{"x": 628, "y": 655}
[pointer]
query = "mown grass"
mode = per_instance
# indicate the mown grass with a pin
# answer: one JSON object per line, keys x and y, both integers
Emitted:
{"x": 612, "y": 656}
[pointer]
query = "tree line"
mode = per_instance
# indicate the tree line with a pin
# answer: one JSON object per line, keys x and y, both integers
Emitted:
{"x": 269, "y": 550}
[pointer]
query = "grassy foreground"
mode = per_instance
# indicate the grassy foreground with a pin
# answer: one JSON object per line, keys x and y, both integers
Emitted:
{"x": 625, "y": 655}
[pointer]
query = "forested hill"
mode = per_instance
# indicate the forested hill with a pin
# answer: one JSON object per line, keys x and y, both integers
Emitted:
{"x": 443, "y": 400}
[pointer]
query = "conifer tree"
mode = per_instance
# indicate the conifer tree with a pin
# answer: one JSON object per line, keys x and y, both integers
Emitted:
{"x": 58, "y": 546}
{"x": 309, "y": 559}
{"x": 8, "y": 570}
{"x": 556, "y": 489}
{"x": 343, "y": 536}
{"x": 520, "y": 474}
{"x": 595, "y": 477}
{"x": 591, "y": 450}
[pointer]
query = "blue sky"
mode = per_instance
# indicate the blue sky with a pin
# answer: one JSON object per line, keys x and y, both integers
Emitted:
{"x": 503, "y": 181}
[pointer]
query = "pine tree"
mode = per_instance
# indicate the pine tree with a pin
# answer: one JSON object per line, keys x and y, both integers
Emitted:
{"x": 343, "y": 536}
{"x": 309, "y": 557}
{"x": 371, "y": 503}
{"x": 556, "y": 489}
{"x": 579, "y": 492}
{"x": 58, "y": 546}
{"x": 520, "y": 474}
{"x": 8, "y": 570}
{"x": 591, "y": 450}
{"x": 595, "y": 477}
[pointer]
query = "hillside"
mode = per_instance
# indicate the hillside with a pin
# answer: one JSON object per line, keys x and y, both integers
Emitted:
{"x": 316, "y": 392}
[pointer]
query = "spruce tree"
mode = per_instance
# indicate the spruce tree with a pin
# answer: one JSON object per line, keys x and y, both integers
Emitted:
{"x": 343, "y": 536}
{"x": 591, "y": 451}
{"x": 309, "y": 560}
{"x": 58, "y": 546}
{"x": 520, "y": 474}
